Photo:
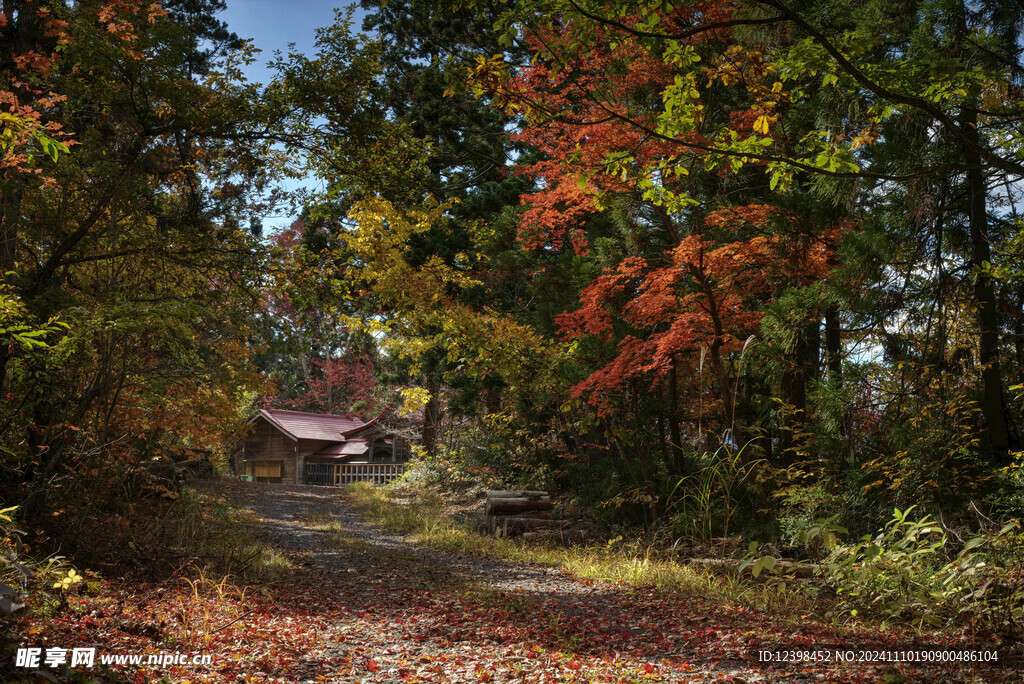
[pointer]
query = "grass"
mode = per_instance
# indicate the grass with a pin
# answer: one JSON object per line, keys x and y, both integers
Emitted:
{"x": 635, "y": 565}
{"x": 214, "y": 532}
{"x": 207, "y": 602}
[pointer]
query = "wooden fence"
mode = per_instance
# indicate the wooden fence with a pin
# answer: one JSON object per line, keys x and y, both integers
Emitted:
{"x": 337, "y": 474}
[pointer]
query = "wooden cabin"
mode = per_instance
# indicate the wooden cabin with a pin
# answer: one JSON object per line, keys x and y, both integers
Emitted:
{"x": 296, "y": 447}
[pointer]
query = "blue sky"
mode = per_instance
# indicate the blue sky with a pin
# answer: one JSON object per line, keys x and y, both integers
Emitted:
{"x": 273, "y": 24}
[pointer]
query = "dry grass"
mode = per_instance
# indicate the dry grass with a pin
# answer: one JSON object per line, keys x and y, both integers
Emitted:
{"x": 216, "y": 532}
{"x": 209, "y": 601}
{"x": 424, "y": 518}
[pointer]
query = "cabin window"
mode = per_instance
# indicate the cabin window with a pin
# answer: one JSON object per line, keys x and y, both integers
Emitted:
{"x": 268, "y": 469}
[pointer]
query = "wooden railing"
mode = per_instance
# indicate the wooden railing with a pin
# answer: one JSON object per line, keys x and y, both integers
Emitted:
{"x": 378, "y": 473}
{"x": 336, "y": 474}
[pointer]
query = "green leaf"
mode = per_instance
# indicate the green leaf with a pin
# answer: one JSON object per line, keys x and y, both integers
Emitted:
{"x": 974, "y": 543}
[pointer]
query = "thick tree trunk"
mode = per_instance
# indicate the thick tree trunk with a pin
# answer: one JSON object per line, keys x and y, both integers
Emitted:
{"x": 995, "y": 433}
{"x": 715, "y": 351}
{"x": 492, "y": 400}
{"x": 662, "y": 439}
{"x": 812, "y": 351}
{"x": 1018, "y": 337}
{"x": 804, "y": 366}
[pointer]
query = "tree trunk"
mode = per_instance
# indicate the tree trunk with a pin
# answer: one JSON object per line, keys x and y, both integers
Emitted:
{"x": 995, "y": 432}
{"x": 833, "y": 345}
{"x": 432, "y": 418}
{"x": 23, "y": 32}
{"x": 673, "y": 419}
{"x": 812, "y": 351}
{"x": 1018, "y": 337}
{"x": 805, "y": 362}
{"x": 995, "y": 436}
{"x": 714, "y": 350}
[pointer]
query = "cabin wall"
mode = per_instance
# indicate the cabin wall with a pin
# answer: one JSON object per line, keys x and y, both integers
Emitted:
{"x": 267, "y": 444}
{"x": 403, "y": 450}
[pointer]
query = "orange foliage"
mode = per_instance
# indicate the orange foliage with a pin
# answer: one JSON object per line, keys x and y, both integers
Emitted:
{"x": 696, "y": 300}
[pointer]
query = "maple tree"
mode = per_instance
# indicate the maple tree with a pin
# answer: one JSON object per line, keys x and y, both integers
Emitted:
{"x": 301, "y": 336}
{"x": 683, "y": 286}
{"x": 868, "y": 76}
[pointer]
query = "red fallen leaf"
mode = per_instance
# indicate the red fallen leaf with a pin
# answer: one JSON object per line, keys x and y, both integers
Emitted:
{"x": 372, "y": 666}
{"x": 574, "y": 664}
{"x": 648, "y": 668}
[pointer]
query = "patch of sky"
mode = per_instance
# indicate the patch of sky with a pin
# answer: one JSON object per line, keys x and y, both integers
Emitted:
{"x": 280, "y": 26}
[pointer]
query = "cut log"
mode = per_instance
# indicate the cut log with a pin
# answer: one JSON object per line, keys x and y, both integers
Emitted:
{"x": 517, "y": 505}
{"x": 515, "y": 494}
{"x": 537, "y": 515}
{"x": 506, "y": 526}
{"x": 520, "y": 521}
{"x": 510, "y": 512}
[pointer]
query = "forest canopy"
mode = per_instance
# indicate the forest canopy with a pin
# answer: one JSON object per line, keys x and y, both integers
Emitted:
{"x": 710, "y": 267}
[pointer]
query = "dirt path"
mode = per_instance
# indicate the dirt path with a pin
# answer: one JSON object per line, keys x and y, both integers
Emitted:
{"x": 385, "y": 609}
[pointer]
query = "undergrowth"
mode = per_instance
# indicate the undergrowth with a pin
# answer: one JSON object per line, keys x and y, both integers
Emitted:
{"x": 636, "y": 565}
{"x": 175, "y": 569}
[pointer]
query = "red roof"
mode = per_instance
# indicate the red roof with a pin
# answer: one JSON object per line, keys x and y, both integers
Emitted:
{"x": 318, "y": 426}
{"x": 374, "y": 421}
{"x": 354, "y": 447}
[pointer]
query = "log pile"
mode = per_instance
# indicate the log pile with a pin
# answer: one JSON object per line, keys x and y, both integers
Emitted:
{"x": 514, "y": 513}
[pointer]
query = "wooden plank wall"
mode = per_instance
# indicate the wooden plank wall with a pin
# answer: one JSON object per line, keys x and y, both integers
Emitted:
{"x": 268, "y": 444}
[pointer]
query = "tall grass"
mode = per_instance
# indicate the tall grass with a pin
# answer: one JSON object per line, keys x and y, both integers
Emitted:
{"x": 709, "y": 498}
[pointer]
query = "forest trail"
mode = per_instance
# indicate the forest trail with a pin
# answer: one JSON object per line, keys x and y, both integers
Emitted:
{"x": 386, "y": 609}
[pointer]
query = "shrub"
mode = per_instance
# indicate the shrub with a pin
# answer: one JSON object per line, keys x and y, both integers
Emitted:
{"x": 906, "y": 572}
{"x": 27, "y": 583}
